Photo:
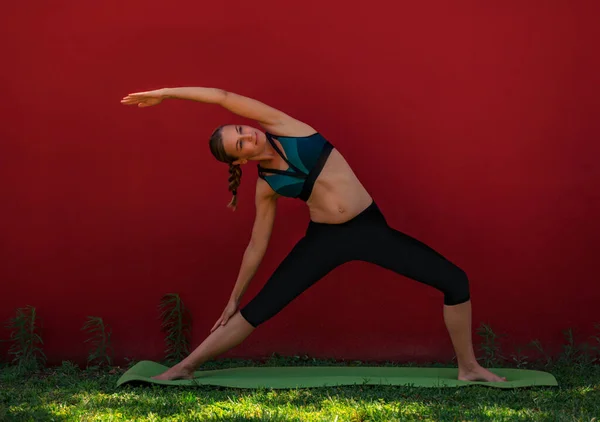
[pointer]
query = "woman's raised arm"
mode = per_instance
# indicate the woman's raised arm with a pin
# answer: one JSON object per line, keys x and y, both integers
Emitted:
{"x": 250, "y": 108}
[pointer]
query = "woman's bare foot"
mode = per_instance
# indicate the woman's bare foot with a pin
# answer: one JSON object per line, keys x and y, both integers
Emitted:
{"x": 175, "y": 373}
{"x": 478, "y": 373}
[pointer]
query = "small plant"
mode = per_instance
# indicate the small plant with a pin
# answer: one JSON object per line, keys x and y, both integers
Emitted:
{"x": 520, "y": 359}
{"x": 582, "y": 354}
{"x": 100, "y": 340}
{"x": 538, "y": 345}
{"x": 592, "y": 351}
{"x": 131, "y": 362}
{"x": 3, "y": 362}
{"x": 69, "y": 368}
{"x": 490, "y": 346}
{"x": 586, "y": 355}
{"x": 569, "y": 350}
{"x": 27, "y": 354}
{"x": 597, "y": 340}
{"x": 176, "y": 323}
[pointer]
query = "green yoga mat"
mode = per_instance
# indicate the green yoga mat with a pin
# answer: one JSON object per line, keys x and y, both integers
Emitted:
{"x": 326, "y": 376}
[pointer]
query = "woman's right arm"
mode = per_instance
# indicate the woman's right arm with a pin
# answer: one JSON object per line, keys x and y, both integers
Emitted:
{"x": 266, "y": 204}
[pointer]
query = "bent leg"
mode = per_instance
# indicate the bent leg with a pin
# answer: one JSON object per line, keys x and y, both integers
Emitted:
{"x": 396, "y": 251}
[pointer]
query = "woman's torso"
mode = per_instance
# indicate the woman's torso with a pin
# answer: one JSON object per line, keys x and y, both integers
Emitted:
{"x": 337, "y": 195}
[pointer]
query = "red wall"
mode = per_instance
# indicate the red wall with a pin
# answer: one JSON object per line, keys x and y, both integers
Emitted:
{"x": 474, "y": 126}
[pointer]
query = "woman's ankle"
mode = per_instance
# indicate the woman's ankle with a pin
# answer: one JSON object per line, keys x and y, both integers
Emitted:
{"x": 468, "y": 364}
{"x": 186, "y": 367}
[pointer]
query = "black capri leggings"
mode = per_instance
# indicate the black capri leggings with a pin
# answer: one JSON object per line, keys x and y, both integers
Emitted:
{"x": 366, "y": 237}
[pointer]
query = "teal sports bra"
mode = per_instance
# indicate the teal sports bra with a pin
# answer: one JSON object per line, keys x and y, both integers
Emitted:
{"x": 306, "y": 156}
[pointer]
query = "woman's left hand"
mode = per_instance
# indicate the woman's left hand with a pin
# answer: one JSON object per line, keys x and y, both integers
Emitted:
{"x": 145, "y": 99}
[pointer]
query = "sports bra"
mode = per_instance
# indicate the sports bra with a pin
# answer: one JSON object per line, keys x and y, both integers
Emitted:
{"x": 306, "y": 156}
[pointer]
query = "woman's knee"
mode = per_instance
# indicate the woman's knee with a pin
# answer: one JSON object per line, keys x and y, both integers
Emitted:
{"x": 251, "y": 319}
{"x": 457, "y": 290}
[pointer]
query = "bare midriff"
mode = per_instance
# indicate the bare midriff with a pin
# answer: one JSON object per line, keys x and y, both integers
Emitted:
{"x": 337, "y": 195}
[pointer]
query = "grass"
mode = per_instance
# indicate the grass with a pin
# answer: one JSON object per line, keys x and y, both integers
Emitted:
{"x": 32, "y": 391}
{"x": 67, "y": 393}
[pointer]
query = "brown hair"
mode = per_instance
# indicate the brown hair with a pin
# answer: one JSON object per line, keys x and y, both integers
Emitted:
{"x": 235, "y": 171}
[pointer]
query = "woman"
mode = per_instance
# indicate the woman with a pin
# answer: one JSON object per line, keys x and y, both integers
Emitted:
{"x": 294, "y": 160}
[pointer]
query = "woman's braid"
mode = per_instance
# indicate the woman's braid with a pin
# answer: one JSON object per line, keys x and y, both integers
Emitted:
{"x": 235, "y": 171}
{"x": 235, "y": 178}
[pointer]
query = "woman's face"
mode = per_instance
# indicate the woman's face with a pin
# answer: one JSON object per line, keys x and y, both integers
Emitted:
{"x": 243, "y": 142}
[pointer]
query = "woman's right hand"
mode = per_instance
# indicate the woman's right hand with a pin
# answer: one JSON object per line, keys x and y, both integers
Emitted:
{"x": 229, "y": 310}
{"x": 146, "y": 98}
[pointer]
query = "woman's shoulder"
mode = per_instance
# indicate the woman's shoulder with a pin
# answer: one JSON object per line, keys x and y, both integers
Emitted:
{"x": 291, "y": 129}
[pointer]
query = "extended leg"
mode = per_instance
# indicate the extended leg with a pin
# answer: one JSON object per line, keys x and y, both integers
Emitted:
{"x": 310, "y": 260}
{"x": 225, "y": 337}
{"x": 313, "y": 257}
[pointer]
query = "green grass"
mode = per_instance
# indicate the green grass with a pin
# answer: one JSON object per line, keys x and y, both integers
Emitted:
{"x": 68, "y": 393}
